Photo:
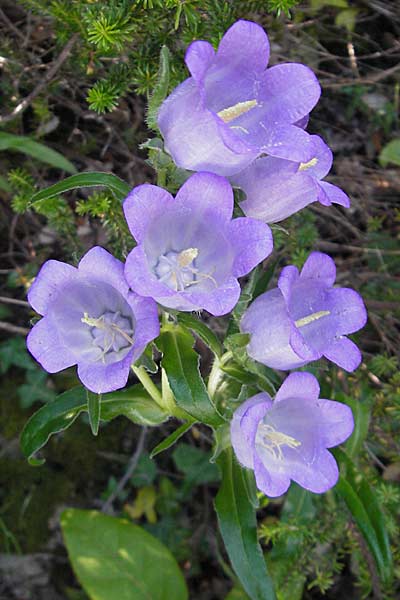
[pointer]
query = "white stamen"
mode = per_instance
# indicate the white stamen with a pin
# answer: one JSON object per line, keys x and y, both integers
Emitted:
{"x": 310, "y": 318}
{"x": 239, "y": 109}
{"x": 273, "y": 440}
{"x": 308, "y": 165}
{"x": 186, "y": 257}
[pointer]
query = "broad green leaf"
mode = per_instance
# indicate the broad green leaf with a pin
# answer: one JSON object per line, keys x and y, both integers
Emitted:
{"x": 119, "y": 188}
{"x": 238, "y": 525}
{"x": 181, "y": 364}
{"x": 204, "y": 332}
{"x": 366, "y": 512}
{"x": 133, "y": 403}
{"x": 318, "y": 4}
{"x": 390, "y": 153}
{"x": 171, "y": 439}
{"x": 116, "y": 560}
{"x": 237, "y": 594}
{"x": 93, "y": 408}
{"x": 160, "y": 90}
{"x": 20, "y": 143}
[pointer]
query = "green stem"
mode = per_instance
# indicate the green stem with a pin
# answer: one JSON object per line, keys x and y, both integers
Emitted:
{"x": 148, "y": 385}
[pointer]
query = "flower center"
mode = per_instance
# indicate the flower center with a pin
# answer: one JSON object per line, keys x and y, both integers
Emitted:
{"x": 272, "y": 440}
{"x": 237, "y": 110}
{"x": 308, "y": 165}
{"x": 310, "y": 318}
{"x": 112, "y": 332}
{"x": 178, "y": 269}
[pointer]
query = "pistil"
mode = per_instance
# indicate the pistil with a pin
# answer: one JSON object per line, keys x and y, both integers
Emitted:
{"x": 233, "y": 112}
{"x": 311, "y": 318}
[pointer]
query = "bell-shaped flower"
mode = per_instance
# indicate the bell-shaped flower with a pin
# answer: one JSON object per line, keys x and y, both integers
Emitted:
{"x": 90, "y": 318}
{"x": 287, "y": 438}
{"x": 276, "y": 188}
{"x": 190, "y": 252}
{"x": 232, "y": 108}
{"x": 305, "y": 318}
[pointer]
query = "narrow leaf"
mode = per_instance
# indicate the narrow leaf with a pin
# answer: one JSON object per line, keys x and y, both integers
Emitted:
{"x": 204, "y": 332}
{"x": 94, "y": 179}
{"x": 171, "y": 439}
{"x": 181, "y": 364}
{"x": 20, "y": 143}
{"x": 116, "y": 560}
{"x": 160, "y": 90}
{"x": 133, "y": 403}
{"x": 238, "y": 525}
{"x": 93, "y": 408}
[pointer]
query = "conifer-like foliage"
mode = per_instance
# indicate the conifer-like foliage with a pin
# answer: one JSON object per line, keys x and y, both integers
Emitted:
{"x": 120, "y": 40}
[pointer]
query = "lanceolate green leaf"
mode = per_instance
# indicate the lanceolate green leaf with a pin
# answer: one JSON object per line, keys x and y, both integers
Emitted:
{"x": 20, "y": 143}
{"x": 116, "y": 560}
{"x": 94, "y": 179}
{"x": 238, "y": 525}
{"x": 134, "y": 403}
{"x": 160, "y": 90}
{"x": 171, "y": 439}
{"x": 366, "y": 512}
{"x": 204, "y": 332}
{"x": 93, "y": 408}
{"x": 181, "y": 364}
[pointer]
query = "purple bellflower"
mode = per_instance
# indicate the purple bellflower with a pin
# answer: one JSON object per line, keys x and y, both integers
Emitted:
{"x": 305, "y": 318}
{"x": 287, "y": 439}
{"x": 276, "y": 188}
{"x": 190, "y": 252}
{"x": 232, "y": 108}
{"x": 90, "y": 318}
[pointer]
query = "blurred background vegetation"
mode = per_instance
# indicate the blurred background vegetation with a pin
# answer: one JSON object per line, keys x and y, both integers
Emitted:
{"x": 75, "y": 80}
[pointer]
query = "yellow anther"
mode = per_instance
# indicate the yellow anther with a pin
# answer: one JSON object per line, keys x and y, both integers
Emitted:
{"x": 308, "y": 165}
{"x": 311, "y": 318}
{"x": 186, "y": 257}
{"x": 239, "y": 109}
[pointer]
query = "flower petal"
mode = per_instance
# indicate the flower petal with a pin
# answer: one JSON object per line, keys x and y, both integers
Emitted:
{"x": 348, "y": 310}
{"x": 320, "y": 267}
{"x": 142, "y": 206}
{"x": 335, "y": 422}
{"x": 334, "y": 194}
{"x": 244, "y": 426}
{"x": 100, "y": 264}
{"x": 244, "y": 46}
{"x": 344, "y": 353}
{"x": 285, "y": 141}
{"x": 147, "y": 326}
{"x": 271, "y": 483}
{"x": 288, "y": 277}
{"x": 44, "y": 344}
{"x": 192, "y": 134}
{"x": 322, "y": 158}
{"x": 48, "y": 282}
{"x": 317, "y": 476}
{"x": 252, "y": 242}
{"x": 207, "y": 193}
{"x": 269, "y": 337}
{"x": 299, "y": 385}
{"x": 100, "y": 378}
{"x": 290, "y": 91}
{"x": 218, "y": 302}
{"x": 274, "y": 191}
{"x": 198, "y": 58}
{"x": 141, "y": 279}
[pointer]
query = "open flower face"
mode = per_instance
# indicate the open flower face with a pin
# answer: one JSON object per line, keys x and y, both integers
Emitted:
{"x": 305, "y": 318}
{"x": 232, "y": 108}
{"x": 276, "y": 188}
{"x": 287, "y": 439}
{"x": 90, "y": 318}
{"x": 190, "y": 252}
